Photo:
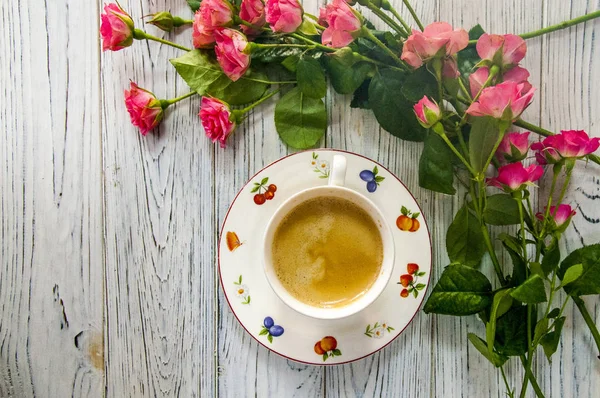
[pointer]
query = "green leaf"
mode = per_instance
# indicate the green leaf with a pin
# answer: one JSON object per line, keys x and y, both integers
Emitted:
{"x": 501, "y": 303}
{"x": 325, "y": 356}
{"x": 571, "y": 275}
{"x": 496, "y": 359}
{"x": 311, "y": 79}
{"x": 550, "y": 341}
{"x": 290, "y": 63}
{"x": 464, "y": 239}
{"x": 501, "y": 209}
{"x": 308, "y": 28}
{"x": 554, "y": 313}
{"x": 194, "y": 4}
{"x": 378, "y": 179}
{"x": 435, "y": 166}
{"x": 532, "y": 291}
{"x": 461, "y": 290}
{"x": 255, "y": 189}
{"x": 240, "y": 280}
{"x": 519, "y": 266}
{"x": 360, "y": 98}
{"x": 589, "y": 281}
{"x": 263, "y": 331}
{"x": 393, "y": 111}
{"x": 199, "y": 71}
{"x": 511, "y": 336}
{"x": 204, "y": 75}
{"x": 375, "y": 170}
{"x": 551, "y": 259}
{"x": 540, "y": 330}
{"x": 270, "y": 338}
{"x": 418, "y": 84}
{"x": 264, "y": 181}
{"x": 300, "y": 120}
{"x": 336, "y": 352}
{"x": 345, "y": 73}
{"x": 484, "y": 134}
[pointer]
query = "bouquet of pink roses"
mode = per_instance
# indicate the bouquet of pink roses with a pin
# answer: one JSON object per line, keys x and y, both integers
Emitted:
{"x": 458, "y": 92}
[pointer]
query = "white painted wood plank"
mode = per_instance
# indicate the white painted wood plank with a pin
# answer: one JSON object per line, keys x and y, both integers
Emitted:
{"x": 570, "y": 96}
{"x": 159, "y": 228}
{"x": 51, "y": 265}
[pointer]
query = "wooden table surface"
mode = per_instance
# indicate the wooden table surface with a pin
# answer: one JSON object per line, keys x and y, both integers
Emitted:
{"x": 108, "y": 280}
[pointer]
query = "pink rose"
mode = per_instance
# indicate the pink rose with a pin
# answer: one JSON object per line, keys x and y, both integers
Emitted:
{"x": 144, "y": 108}
{"x": 253, "y": 12}
{"x": 513, "y": 147}
{"x": 217, "y": 119}
{"x": 230, "y": 52}
{"x": 517, "y": 74}
{"x": 560, "y": 215}
{"x": 428, "y": 112}
{"x": 514, "y": 176}
{"x": 210, "y": 15}
{"x": 567, "y": 144}
{"x": 284, "y": 16}
{"x": 505, "y": 101}
{"x": 116, "y": 28}
{"x": 423, "y": 46}
{"x": 342, "y": 24}
{"x": 505, "y": 51}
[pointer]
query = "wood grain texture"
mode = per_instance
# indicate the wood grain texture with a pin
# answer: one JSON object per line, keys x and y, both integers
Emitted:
{"x": 89, "y": 205}
{"x": 159, "y": 228}
{"x": 51, "y": 260}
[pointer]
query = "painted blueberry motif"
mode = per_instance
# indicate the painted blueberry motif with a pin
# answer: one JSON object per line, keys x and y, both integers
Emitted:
{"x": 270, "y": 329}
{"x": 371, "y": 178}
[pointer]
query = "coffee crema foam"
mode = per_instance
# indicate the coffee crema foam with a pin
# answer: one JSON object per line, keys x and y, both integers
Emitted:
{"x": 327, "y": 252}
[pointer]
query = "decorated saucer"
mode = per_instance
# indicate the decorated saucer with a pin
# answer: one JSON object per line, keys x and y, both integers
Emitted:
{"x": 268, "y": 319}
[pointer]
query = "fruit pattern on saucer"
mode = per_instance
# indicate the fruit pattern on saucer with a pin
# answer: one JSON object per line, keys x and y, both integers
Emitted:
{"x": 302, "y": 338}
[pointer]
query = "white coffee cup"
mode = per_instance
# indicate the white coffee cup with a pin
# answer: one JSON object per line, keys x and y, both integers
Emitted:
{"x": 335, "y": 188}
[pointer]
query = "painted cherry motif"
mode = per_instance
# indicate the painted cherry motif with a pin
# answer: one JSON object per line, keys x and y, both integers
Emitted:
{"x": 265, "y": 192}
{"x": 409, "y": 281}
{"x": 327, "y": 347}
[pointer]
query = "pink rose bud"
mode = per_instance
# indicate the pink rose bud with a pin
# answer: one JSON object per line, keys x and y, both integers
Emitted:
{"x": 116, "y": 28}
{"x": 230, "y": 52}
{"x": 144, "y": 108}
{"x": 202, "y": 33}
{"x": 284, "y": 16}
{"x": 513, "y": 147}
{"x": 505, "y": 51}
{"x": 514, "y": 176}
{"x": 428, "y": 112}
{"x": 423, "y": 46}
{"x": 217, "y": 119}
{"x": 560, "y": 216}
{"x": 567, "y": 144}
{"x": 343, "y": 25}
{"x": 253, "y": 12}
{"x": 505, "y": 101}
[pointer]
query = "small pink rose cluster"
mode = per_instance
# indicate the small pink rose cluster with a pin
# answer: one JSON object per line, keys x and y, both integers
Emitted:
{"x": 438, "y": 41}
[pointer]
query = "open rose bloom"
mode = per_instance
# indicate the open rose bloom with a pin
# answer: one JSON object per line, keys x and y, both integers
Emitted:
{"x": 211, "y": 15}
{"x": 437, "y": 40}
{"x": 230, "y": 52}
{"x": 116, "y": 28}
{"x": 517, "y": 74}
{"x": 515, "y": 176}
{"x": 343, "y": 25}
{"x": 284, "y": 16}
{"x": 505, "y": 101}
{"x": 143, "y": 107}
{"x": 568, "y": 144}
{"x": 216, "y": 118}
{"x": 505, "y": 51}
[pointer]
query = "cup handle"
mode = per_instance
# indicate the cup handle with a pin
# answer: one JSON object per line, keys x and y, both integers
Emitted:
{"x": 337, "y": 176}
